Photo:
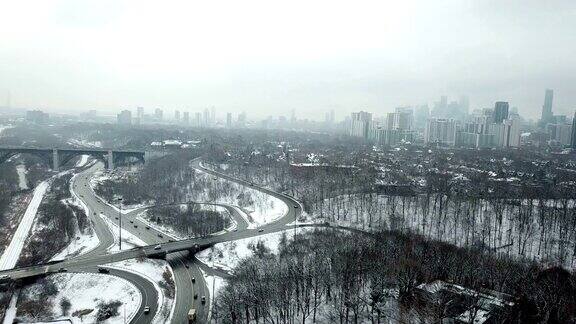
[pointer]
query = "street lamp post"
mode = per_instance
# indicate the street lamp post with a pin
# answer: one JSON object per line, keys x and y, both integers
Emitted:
{"x": 120, "y": 223}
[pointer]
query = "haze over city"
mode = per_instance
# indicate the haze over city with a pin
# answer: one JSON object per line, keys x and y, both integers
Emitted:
{"x": 314, "y": 162}
{"x": 262, "y": 56}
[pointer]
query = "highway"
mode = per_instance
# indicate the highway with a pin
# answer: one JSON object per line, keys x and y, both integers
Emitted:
{"x": 177, "y": 253}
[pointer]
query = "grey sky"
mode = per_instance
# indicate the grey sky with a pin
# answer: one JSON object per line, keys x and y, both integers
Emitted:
{"x": 266, "y": 57}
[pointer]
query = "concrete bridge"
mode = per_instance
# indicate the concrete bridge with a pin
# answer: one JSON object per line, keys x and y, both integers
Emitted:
{"x": 55, "y": 157}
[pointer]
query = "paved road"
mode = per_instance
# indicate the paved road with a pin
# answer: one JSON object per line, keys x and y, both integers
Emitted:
{"x": 184, "y": 265}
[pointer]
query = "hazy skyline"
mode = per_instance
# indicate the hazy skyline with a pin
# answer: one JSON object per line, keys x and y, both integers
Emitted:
{"x": 267, "y": 57}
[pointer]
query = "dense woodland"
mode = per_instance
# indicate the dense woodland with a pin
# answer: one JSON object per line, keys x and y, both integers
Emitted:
{"x": 190, "y": 219}
{"x": 326, "y": 276}
{"x": 518, "y": 203}
{"x": 160, "y": 181}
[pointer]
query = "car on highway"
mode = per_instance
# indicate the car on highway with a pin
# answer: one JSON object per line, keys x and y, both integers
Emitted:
{"x": 260, "y": 230}
{"x": 146, "y": 309}
{"x": 135, "y": 226}
{"x": 103, "y": 270}
{"x": 193, "y": 279}
{"x": 4, "y": 278}
{"x": 295, "y": 206}
{"x": 158, "y": 247}
{"x": 195, "y": 295}
{"x": 131, "y": 222}
{"x": 191, "y": 316}
{"x": 147, "y": 227}
{"x": 203, "y": 300}
{"x": 187, "y": 265}
{"x": 160, "y": 235}
{"x": 62, "y": 270}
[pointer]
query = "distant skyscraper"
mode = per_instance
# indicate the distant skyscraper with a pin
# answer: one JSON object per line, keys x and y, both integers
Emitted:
{"x": 573, "y": 137}
{"x": 198, "y": 119}
{"x": 177, "y": 115}
{"x": 293, "y": 117}
{"x": 229, "y": 120}
{"x": 547, "y": 107}
{"x": 464, "y": 104}
{"x": 206, "y": 116}
{"x": 186, "y": 117}
{"x": 500, "y": 112}
{"x": 140, "y": 113}
{"x": 124, "y": 117}
{"x": 158, "y": 114}
{"x": 213, "y": 116}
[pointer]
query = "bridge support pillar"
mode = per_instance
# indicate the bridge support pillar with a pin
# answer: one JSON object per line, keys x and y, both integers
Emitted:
{"x": 55, "y": 162}
{"x": 110, "y": 160}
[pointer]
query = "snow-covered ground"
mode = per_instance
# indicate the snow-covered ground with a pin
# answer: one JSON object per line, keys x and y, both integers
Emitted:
{"x": 10, "y": 314}
{"x": 21, "y": 170}
{"x": 508, "y": 227}
{"x": 261, "y": 208}
{"x": 85, "y": 143}
{"x": 129, "y": 240}
{"x": 226, "y": 256}
{"x": 86, "y": 290}
{"x": 12, "y": 252}
{"x": 152, "y": 270}
{"x": 82, "y": 162}
{"x": 3, "y": 128}
{"x": 85, "y": 241}
{"x": 214, "y": 284}
{"x": 166, "y": 230}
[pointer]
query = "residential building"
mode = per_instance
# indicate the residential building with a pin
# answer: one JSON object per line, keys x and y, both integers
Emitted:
{"x": 500, "y": 111}
{"x": 37, "y": 116}
{"x": 124, "y": 117}
{"x": 360, "y": 124}
{"x": 440, "y": 131}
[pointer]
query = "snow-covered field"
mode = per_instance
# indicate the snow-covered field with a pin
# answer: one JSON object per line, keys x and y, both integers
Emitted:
{"x": 261, "y": 208}
{"x": 82, "y": 162}
{"x": 86, "y": 290}
{"x": 21, "y": 171}
{"x": 152, "y": 270}
{"x": 85, "y": 143}
{"x": 12, "y": 252}
{"x": 214, "y": 284}
{"x": 227, "y": 255}
{"x": 129, "y": 240}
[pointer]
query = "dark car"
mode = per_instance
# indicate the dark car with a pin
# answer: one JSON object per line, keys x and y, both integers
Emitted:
{"x": 193, "y": 279}
{"x": 103, "y": 270}
{"x": 160, "y": 235}
{"x": 62, "y": 270}
{"x": 203, "y": 299}
{"x": 196, "y": 296}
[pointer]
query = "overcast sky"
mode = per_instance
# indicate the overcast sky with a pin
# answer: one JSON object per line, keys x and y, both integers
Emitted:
{"x": 267, "y": 57}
